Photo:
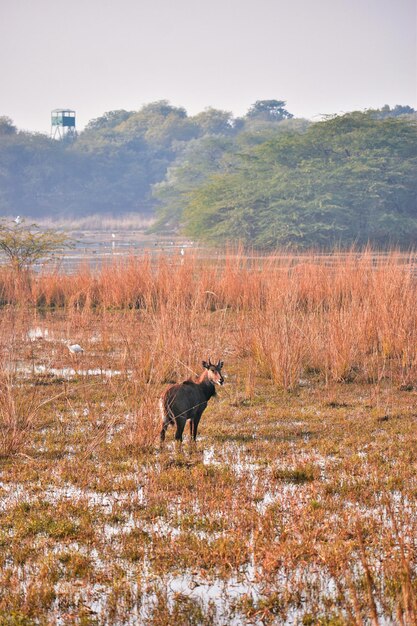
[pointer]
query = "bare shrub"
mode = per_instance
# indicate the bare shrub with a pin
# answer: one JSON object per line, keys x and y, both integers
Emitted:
{"x": 143, "y": 419}
{"x": 21, "y": 414}
{"x": 279, "y": 347}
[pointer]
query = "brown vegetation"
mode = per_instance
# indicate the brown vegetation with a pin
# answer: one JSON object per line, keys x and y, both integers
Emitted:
{"x": 299, "y": 504}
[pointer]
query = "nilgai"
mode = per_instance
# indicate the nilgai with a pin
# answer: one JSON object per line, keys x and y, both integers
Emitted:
{"x": 187, "y": 400}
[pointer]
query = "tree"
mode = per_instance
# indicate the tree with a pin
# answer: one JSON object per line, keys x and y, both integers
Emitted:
{"x": 24, "y": 246}
{"x": 108, "y": 120}
{"x": 6, "y": 126}
{"x": 386, "y": 111}
{"x": 269, "y": 110}
{"x": 350, "y": 179}
{"x": 214, "y": 122}
{"x": 198, "y": 160}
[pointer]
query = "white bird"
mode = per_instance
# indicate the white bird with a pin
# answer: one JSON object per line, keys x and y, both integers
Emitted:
{"x": 113, "y": 236}
{"x": 18, "y": 220}
{"x": 75, "y": 348}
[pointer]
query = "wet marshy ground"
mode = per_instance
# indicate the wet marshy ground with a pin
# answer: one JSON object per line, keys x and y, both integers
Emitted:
{"x": 295, "y": 507}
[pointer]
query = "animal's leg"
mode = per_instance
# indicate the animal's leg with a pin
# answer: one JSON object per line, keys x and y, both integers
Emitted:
{"x": 196, "y": 423}
{"x": 180, "y": 429}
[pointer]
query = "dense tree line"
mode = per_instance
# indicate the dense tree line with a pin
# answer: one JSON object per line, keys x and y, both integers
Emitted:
{"x": 267, "y": 179}
{"x": 350, "y": 179}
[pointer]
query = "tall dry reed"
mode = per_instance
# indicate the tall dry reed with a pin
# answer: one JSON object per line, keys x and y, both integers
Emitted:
{"x": 21, "y": 414}
{"x": 343, "y": 316}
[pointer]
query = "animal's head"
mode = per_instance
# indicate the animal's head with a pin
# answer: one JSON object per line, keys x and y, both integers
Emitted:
{"x": 214, "y": 372}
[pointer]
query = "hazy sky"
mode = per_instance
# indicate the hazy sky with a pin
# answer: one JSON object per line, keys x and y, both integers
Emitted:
{"x": 321, "y": 56}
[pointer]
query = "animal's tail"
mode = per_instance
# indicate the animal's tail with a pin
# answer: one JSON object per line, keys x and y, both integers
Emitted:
{"x": 165, "y": 409}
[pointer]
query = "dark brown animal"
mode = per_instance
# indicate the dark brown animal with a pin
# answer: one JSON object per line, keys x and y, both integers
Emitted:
{"x": 187, "y": 400}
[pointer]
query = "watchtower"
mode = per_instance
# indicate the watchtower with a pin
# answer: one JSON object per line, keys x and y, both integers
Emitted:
{"x": 63, "y": 124}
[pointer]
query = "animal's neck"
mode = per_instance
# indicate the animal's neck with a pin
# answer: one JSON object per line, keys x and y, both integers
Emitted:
{"x": 206, "y": 384}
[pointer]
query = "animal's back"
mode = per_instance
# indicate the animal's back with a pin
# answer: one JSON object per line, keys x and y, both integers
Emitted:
{"x": 182, "y": 399}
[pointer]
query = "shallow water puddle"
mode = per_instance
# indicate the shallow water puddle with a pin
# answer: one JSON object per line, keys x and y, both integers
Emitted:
{"x": 66, "y": 372}
{"x": 38, "y": 333}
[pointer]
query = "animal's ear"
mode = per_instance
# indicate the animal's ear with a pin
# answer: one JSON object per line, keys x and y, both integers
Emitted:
{"x": 220, "y": 364}
{"x": 206, "y": 365}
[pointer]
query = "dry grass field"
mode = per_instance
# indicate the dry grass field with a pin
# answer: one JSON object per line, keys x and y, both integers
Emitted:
{"x": 298, "y": 504}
